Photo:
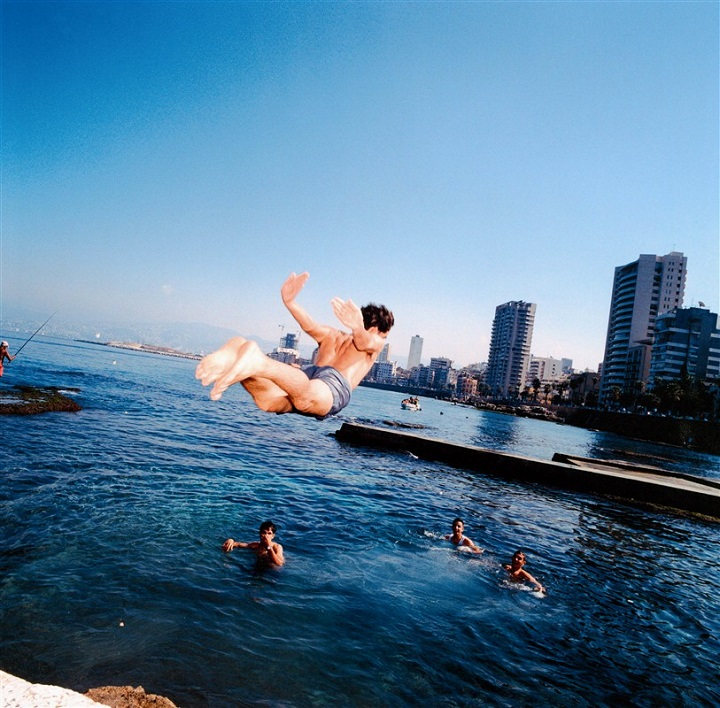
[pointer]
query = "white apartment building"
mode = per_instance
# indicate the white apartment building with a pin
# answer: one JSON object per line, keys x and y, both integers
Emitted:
{"x": 642, "y": 290}
{"x": 415, "y": 354}
{"x": 510, "y": 347}
{"x": 547, "y": 369}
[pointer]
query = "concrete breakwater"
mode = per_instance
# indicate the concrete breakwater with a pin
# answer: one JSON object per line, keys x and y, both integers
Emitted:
{"x": 627, "y": 482}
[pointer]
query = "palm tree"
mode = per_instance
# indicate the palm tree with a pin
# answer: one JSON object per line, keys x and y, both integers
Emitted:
{"x": 562, "y": 387}
{"x": 536, "y": 388}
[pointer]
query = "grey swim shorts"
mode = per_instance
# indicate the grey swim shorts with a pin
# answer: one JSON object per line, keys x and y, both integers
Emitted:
{"x": 336, "y": 382}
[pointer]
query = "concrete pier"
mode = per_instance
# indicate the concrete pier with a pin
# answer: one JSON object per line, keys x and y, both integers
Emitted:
{"x": 628, "y": 482}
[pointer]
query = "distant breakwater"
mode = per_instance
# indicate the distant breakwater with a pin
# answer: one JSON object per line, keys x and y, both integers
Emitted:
{"x": 146, "y": 348}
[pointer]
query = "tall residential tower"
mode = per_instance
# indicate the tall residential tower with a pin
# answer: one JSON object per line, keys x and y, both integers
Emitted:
{"x": 642, "y": 290}
{"x": 510, "y": 347}
{"x": 416, "y": 345}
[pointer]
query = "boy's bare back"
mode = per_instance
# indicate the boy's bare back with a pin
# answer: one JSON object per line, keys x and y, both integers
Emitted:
{"x": 339, "y": 351}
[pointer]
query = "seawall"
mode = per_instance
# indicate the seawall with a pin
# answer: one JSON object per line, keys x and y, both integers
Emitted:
{"x": 695, "y": 434}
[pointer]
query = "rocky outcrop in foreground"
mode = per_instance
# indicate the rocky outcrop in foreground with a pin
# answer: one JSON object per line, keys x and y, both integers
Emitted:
{"x": 18, "y": 693}
{"x": 128, "y": 697}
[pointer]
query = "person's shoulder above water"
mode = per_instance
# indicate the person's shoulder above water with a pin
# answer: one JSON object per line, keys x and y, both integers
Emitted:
{"x": 458, "y": 538}
{"x": 266, "y": 549}
{"x": 517, "y": 572}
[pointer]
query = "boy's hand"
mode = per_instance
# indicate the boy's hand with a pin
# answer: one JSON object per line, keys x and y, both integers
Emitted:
{"x": 228, "y": 545}
{"x": 293, "y": 285}
{"x": 348, "y": 313}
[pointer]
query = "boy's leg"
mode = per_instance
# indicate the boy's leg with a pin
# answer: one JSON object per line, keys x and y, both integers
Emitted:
{"x": 267, "y": 395}
{"x": 239, "y": 360}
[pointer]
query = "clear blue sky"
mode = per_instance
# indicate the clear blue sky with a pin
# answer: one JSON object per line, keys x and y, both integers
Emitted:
{"x": 174, "y": 161}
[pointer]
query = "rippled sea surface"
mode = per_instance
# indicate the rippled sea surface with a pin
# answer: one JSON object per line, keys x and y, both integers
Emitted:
{"x": 112, "y": 572}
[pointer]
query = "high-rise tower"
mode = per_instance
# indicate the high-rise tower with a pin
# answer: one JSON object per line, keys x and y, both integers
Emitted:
{"x": 642, "y": 290}
{"x": 384, "y": 355}
{"x": 416, "y": 345}
{"x": 687, "y": 341}
{"x": 510, "y": 347}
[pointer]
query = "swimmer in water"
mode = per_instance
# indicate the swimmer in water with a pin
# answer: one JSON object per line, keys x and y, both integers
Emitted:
{"x": 458, "y": 539}
{"x": 518, "y": 574}
{"x": 267, "y": 551}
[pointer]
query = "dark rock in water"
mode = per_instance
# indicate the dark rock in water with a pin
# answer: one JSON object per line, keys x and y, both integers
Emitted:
{"x": 391, "y": 423}
{"x": 128, "y": 697}
{"x": 401, "y": 424}
{"x": 28, "y": 400}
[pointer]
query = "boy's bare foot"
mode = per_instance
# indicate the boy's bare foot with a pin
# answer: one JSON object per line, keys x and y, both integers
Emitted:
{"x": 212, "y": 366}
{"x": 237, "y": 360}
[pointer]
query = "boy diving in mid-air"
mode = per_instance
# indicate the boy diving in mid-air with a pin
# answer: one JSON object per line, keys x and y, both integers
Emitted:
{"x": 343, "y": 359}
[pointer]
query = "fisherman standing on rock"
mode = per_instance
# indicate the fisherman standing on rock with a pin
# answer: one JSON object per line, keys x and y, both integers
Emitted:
{"x": 4, "y": 354}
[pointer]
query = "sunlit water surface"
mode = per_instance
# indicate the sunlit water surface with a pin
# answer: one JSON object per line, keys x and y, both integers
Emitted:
{"x": 112, "y": 572}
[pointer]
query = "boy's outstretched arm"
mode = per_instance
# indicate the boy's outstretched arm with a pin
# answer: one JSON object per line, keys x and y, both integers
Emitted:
{"x": 472, "y": 546}
{"x": 289, "y": 291}
{"x": 351, "y": 316}
{"x": 532, "y": 580}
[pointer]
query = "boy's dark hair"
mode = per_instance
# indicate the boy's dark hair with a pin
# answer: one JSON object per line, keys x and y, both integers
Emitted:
{"x": 265, "y": 525}
{"x": 458, "y": 519}
{"x": 377, "y": 316}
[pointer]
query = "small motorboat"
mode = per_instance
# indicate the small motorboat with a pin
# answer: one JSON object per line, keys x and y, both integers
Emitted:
{"x": 411, "y": 404}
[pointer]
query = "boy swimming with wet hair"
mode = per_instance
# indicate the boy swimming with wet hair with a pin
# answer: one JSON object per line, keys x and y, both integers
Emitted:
{"x": 267, "y": 551}
{"x": 518, "y": 574}
{"x": 458, "y": 539}
{"x": 321, "y": 390}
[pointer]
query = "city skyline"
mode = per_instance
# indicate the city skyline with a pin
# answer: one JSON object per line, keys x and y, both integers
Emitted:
{"x": 174, "y": 162}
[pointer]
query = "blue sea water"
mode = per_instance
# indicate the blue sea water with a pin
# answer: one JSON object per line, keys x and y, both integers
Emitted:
{"x": 112, "y": 572}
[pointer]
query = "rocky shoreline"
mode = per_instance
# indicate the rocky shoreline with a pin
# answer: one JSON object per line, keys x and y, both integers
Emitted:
{"x": 29, "y": 400}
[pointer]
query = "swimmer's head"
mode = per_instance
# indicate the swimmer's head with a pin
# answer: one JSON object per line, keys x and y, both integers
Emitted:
{"x": 377, "y": 316}
{"x": 267, "y": 526}
{"x": 518, "y": 558}
{"x": 458, "y": 525}
{"x": 4, "y": 344}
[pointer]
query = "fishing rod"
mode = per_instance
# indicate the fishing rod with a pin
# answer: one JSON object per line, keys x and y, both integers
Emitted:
{"x": 34, "y": 333}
